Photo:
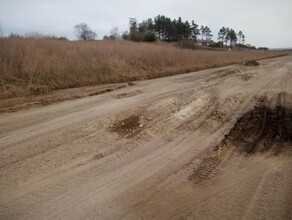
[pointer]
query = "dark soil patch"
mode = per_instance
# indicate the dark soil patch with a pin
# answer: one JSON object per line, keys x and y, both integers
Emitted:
{"x": 131, "y": 83}
{"x": 222, "y": 74}
{"x": 129, "y": 94}
{"x": 262, "y": 131}
{"x": 251, "y": 63}
{"x": 99, "y": 156}
{"x": 128, "y": 127}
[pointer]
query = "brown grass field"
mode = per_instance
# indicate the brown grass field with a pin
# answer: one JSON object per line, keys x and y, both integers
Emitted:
{"x": 35, "y": 66}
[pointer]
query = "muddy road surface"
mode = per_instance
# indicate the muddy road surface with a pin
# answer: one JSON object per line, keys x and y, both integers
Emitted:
{"x": 213, "y": 144}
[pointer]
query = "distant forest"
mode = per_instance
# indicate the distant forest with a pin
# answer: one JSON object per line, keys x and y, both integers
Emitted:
{"x": 162, "y": 28}
{"x": 166, "y": 29}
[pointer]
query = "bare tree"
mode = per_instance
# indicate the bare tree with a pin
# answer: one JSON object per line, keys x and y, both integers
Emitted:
{"x": 1, "y": 31}
{"x": 34, "y": 35}
{"x": 15, "y": 35}
{"x": 84, "y": 32}
{"x": 114, "y": 34}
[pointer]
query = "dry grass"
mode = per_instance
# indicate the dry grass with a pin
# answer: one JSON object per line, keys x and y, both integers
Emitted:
{"x": 29, "y": 66}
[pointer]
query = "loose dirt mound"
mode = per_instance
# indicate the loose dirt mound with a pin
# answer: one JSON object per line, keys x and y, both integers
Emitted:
{"x": 264, "y": 131}
{"x": 251, "y": 63}
{"x": 128, "y": 127}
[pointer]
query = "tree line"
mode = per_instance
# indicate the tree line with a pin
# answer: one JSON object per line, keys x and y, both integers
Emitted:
{"x": 167, "y": 29}
{"x": 163, "y": 28}
{"x": 226, "y": 35}
{"x": 160, "y": 27}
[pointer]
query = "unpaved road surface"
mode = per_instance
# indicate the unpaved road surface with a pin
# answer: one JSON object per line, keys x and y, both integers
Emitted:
{"x": 214, "y": 144}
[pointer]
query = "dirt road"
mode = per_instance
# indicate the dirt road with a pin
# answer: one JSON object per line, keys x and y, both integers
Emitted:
{"x": 214, "y": 144}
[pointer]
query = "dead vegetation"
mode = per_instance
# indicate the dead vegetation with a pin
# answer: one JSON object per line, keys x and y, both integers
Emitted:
{"x": 38, "y": 66}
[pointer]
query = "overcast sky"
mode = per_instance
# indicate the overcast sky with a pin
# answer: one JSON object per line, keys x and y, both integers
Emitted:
{"x": 264, "y": 22}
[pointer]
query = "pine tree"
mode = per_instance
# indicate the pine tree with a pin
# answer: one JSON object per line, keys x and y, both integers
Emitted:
{"x": 194, "y": 31}
{"x": 206, "y": 34}
{"x": 239, "y": 34}
{"x": 222, "y": 35}
{"x": 232, "y": 37}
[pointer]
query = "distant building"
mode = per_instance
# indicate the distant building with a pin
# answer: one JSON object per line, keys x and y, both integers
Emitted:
{"x": 200, "y": 42}
{"x": 203, "y": 42}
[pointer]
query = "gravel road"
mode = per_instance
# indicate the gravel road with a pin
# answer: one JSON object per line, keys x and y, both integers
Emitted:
{"x": 213, "y": 144}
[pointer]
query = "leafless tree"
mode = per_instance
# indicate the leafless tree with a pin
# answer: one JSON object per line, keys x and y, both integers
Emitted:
{"x": 34, "y": 35}
{"x": 114, "y": 34}
{"x": 1, "y": 31}
{"x": 84, "y": 32}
